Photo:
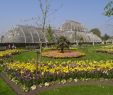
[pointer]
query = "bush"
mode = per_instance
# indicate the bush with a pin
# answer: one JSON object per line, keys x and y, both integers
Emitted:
{"x": 63, "y": 43}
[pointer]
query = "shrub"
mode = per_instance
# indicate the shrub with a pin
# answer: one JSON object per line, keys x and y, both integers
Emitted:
{"x": 63, "y": 43}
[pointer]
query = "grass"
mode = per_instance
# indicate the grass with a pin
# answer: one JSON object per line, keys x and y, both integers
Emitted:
{"x": 81, "y": 90}
{"x": 25, "y": 56}
{"x": 5, "y": 89}
{"x": 90, "y": 52}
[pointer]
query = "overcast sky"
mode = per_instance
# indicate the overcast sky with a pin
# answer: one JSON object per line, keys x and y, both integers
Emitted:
{"x": 88, "y": 12}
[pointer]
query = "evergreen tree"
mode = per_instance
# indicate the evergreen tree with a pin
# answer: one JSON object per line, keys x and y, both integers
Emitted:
{"x": 63, "y": 43}
{"x": 96, "y": 31}
{"x": 105, "y": 37}
{"x": 50, "y": 35}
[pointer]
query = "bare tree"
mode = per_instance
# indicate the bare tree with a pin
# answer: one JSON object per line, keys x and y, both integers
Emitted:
{"x": 45, "y": 12}
{"x": 44, "y": 6}
{"x": 44, "y": 9}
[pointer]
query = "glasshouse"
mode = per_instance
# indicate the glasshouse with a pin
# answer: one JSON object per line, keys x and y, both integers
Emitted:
{"x": 110, "y": 40}
{"x": 24, "y": 34}
{"x": 73, "y": 31}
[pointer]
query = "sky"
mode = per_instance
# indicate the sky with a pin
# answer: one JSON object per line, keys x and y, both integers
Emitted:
{"x": 87, "y": 12}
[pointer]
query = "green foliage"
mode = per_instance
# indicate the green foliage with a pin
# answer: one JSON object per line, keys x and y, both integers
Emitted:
{"x": 1, "y": 69}
{"x": 105, "y": 37}
{"x": 63, "y": 43}
{"x": 96, "y": 31}
{"x": 109, "y": 9}
{"x": 50, "y": 35}
{"x": 81, "y": 39}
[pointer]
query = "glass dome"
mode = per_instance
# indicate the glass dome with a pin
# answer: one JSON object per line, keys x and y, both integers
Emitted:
{"x": 71, "y": 25}
{"x": 75, "y": 31}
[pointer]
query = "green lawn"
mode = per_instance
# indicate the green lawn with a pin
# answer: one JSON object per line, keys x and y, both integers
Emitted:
{"x": 26, "y": 56}
{"x": 5, "y": 89}
{"x": 81, "y": 90}
{"x": 90, "y": 52}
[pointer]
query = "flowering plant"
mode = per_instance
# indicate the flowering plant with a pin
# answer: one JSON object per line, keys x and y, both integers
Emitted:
{"x": 30, "y": 74}
{"x": 66, "y": 54}
{"x": 9, "y": 52}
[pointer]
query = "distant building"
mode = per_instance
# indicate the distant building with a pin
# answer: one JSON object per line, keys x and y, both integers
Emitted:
{"x": 76, "y": 32}
{"x": 71, "y": 25}
{"x": 73, "y": 31}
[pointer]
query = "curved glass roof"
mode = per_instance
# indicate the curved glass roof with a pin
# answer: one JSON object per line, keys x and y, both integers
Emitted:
{"x": 72, "y": 30}
{"x": 73, "y": 36}
{"x": 110, "y": 40}
{"x": 88, "y": 37}
{"x": 24, "y": 34}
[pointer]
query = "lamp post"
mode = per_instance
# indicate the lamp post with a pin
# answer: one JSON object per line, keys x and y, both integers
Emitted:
{"x": 2, "y": 37}
{"x": 13, "y": 34}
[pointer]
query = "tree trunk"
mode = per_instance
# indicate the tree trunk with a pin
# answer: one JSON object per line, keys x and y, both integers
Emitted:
{"x": 62, "y": 50}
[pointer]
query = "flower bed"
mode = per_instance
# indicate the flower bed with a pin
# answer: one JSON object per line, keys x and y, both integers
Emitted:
{"x": 66, "y": 54}
{"x": 110, "y": 51}
{"x": 108, "y": 46}
{"x": 28, "y": 75}
{"x": 106, "y": 49}
{"x": 8, "y": 53}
